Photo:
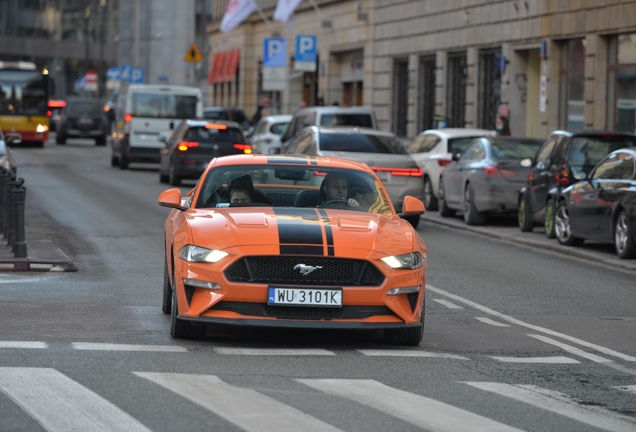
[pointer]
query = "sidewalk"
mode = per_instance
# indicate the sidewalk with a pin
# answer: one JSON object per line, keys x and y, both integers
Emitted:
{"x": 43, "y": 254}
{"x": 506, "y": 229}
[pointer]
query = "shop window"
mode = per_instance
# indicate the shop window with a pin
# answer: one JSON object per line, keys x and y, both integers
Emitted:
{"x": 426, "y": 99}
{"x": 489, "y": 88}
{"x": 572, "y": 84}
{"x": 400, "y": 95}
{"x": 621, "y": 80}
{"x": 456, "y": 90}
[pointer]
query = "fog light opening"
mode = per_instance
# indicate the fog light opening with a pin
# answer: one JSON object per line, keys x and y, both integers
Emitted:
{"x": 201, "y": 284}
{"x": 404, "y": 290}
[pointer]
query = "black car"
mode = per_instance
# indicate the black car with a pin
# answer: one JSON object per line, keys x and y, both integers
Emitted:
{"x": 603, "y": 206}
{"x": 192, "y": 146}
{"x": 231, "y": 114}
{"x": 82, "y": 118}
{"x": 561, "y": 155}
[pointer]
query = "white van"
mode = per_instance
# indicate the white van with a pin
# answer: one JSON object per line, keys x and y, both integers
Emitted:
{"x": 144, "y": 113}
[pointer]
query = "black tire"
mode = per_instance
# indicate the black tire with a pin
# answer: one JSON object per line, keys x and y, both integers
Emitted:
{"x": 39, "y": 144}
{"x": 410, "y": 336}
{"x": 430, "y": 201}
{"x": 471, "y": 215}
{"x": 524, "y": 215}
{"x": 444, "y": 210}
{"x": 114, "y": 161}
{"x": 181, "y": 329}
{"x": 60, "y": 139}
{"x": 562, "y": 226}
{"x": 413, "y": 220}
{"x": 162, "y": 177}
{"x": 123, "y": 161}
{"x": 624, "y": 237}
{"x": 101, "y": 141}
{"x": 173, "y": 177}
{"x": 167, "y": 290}
{"x": 548, "y": 223}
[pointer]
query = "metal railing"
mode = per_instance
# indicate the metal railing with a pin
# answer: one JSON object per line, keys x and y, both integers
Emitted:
{"x": 12, "y": 198}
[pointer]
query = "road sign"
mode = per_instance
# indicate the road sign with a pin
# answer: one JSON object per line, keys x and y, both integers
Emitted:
{"x": 125, "y": 72}
{"x": 193, "y": 54}
{"x": 80, "y": 83}
{"x": 306, "y": 56}
{"x": 274, "y": 78}
{"x": 274, "y": 52}
{"x": 137, "y": 75}
{"x": 112, "y": 73}
{"x": 90, "y": 79}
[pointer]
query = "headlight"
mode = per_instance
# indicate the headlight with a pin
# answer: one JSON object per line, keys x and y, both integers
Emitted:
{"x": 193, "y": 253}
{"x": 413, "y": 260}
{"x": 41, "y": 128}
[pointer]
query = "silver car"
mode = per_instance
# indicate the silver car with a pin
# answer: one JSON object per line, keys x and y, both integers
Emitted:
{"x": 381, "y": 150}
{"x": 486, "y": 178}
{"x": 267, "y": 133}
{"x": 6, "y": 157}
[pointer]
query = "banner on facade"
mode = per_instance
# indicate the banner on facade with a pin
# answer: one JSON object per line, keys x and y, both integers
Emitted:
{"x": 285, "y": 9}
{"x": 237, "y": 11}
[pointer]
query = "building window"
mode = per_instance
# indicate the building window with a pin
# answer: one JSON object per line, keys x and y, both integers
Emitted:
{"x": 426, "y": 99}
{"x": 400, "y": 95}
{"x": 489, "y": 88}
{"x": 456, "y": 90}
{"x": 572, "y": 84}
{"x": 621, "y": 81}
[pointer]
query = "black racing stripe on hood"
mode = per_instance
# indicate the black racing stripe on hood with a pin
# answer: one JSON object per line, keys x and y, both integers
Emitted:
{"x": 328, "y": 232}
{"x": 301, "y": 250}
{"x": 296, "y": 231}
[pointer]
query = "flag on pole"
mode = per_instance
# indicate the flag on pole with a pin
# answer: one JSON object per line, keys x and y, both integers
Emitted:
{"x": 237, "y": 12}
{"x": 285, "y": 10}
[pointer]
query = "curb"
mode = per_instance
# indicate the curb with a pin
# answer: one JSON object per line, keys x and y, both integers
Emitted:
{"x": 629, "y": 265}
{"x": 24, "y": 265}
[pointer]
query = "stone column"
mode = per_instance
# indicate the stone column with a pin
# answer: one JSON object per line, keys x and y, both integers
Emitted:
{"x": 411, "y": 112}
{"x": 440, "y": 83}
{"x": 472, "y": 80}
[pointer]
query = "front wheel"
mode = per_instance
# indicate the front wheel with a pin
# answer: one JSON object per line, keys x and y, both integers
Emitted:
{"x": 562, "y": 226}
{"x": 60, "y": 139}
{"x": 167, "y": 290}
{"x": 430, "y": 201}
{"x": 173, "y": 177}
{"x": 548, "y": 224}
{"x": 100, "y": 141}
{"x": 524, "y": 216}
{"x": 123, "y": 161}
{"x": 471, "y": 215}
{"x": 413, "y": 220}
{"x": 181, "y": 329}
{"x": 444, "y": 210}
{"x": 624, "y": 237}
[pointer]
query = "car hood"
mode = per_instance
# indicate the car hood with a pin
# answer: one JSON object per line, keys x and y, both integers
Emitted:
{"x": 288, "y": 228}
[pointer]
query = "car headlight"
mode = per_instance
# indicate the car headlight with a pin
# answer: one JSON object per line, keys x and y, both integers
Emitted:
{"x": 41, "y": 128}
{"x": 193, "y": 253}
{"x": 413, "y": 260}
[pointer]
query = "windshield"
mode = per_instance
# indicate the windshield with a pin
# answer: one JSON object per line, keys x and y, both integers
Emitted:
{"x": 215, "y": 115}
{"x": 359, "y": 143}
{"x": 159, "y": 105}
{"x": 360, "y": 120}
{"x": 22, "y": 92}
{"x": 520, "y": 149}
{"x": 87, "y": 108}
{"x": 285, "y": 185}
{"x": 587, "y": 152}
{"x": 458, "y": 145}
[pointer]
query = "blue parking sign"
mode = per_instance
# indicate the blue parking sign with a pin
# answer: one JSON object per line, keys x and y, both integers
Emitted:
{"x": 125, "y": 72}
{"x": 305, "y": 48}
{"x": 137, "y": 75}
{"x": 274, "y": 52}
{"x": 112, "y": 73}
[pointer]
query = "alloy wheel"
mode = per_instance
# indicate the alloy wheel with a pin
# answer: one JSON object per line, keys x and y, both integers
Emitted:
{"x": 621, "y": 236}
{"x": 562, "y": 223}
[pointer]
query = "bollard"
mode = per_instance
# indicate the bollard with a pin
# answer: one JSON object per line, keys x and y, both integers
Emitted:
{"x": 19, "y": 197}
{"x": 9, "y": 204}
{"x": 3, "y": 176}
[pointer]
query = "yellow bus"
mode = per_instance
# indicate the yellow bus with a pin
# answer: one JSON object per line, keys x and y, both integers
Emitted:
{"x": 24, "y": 96}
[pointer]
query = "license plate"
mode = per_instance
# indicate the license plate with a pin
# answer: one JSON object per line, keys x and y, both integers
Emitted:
{"x": 85, "y": 120}
{"x": 382, "y": 175}
{"x": 304, "y": 297}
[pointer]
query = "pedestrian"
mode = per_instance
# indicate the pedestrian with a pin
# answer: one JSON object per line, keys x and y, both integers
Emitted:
{"x": 321, "y": 102}
{"x": 503, "y": 126}
{"x": 302, "y": 104}
{"x": 265, "y": 103}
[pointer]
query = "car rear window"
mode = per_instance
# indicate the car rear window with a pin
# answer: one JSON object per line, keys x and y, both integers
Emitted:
{"x": 360, "y": 120}
{"x": 520, "y": 149}
{"x": 587, "y": 152}
{"x": 361, "y": 143}
{"x": 458, "y": 145}
{"x": 205, "y": 135}
{"x": 215, "y": 115}
{"x": 159, "y": 105}
{"x": 88, "y": 108}
{"x": 279, "y": 128}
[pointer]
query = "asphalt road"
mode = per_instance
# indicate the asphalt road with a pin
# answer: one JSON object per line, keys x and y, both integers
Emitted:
{"x": 515, "y": 339}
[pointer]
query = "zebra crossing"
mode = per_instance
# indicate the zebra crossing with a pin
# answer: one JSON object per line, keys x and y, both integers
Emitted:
{"x": 59, "y": 403}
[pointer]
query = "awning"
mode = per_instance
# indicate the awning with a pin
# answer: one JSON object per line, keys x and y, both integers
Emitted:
{"x": 216, "y": 68}
{"x": 231, "y": 65}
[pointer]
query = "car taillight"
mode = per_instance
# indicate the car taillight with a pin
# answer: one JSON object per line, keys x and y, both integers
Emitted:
{"x": 185, "y": 145}
{"x": 215, "y": 126}
{"x": 402, "y": 172}
{"x": 247, "y": 149}
{"x": 443, "y": 162}
{"x": 563, "y": 177}
{"x": 49, "y": 113}
{"x": 128, "y": 117}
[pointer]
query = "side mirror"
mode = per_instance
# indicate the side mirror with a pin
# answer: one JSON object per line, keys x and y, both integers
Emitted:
{"x": 456, "y": 156}
{"x": 171, "y": 198}
{"x": 526, "y": 163}
{"x": 13, "y": 138}
{"x": 580, "y": 175}
{"x": 412, "y": 206}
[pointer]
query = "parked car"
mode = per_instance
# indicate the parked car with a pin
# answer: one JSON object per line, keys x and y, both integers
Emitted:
{"x": 231, "y": 114}
{"x": 329, "y": 116}
{"x": 380, "y": 150}
{"x": 276, "y": 265}
{"x": 553, "y": 168}
{"x": 433, "y": 149}
{"x": 192, "y": 146}
{"x": 81, "y": 118}
{"x": 267, "y": 133}
{"x": 486, "y": 178}
{"x": 6, "y": 156}
{"x": 602, "y": 206}
{"x": 54, "y": 110}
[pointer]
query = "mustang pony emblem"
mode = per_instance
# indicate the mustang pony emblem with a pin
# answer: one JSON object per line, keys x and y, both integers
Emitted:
{"x": 305, "y": 269}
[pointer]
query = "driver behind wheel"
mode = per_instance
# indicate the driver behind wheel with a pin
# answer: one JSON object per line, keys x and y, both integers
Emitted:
{"x": 334, "y": 187}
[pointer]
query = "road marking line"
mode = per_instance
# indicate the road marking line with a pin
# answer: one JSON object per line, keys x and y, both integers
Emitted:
{"x": 491, "y": 322}
{"x": 60, "y": 404}
{"x": 420, "y": 411}
{"x": 246, "y": 408}
{"x": 94, "y": 346}
{"x": 407, "y": 353}
{"x": 631, "y": 389}
{"x": 512, "y": 320}
{"x": 448, "y": 304}
{"x": 40, "y": 266}
{"x": 555, "y": 360}
{"x": 562, "y": 404}
{"x": 572, "y": 350}
{"x": 23, "y": 344}
{"x": 275, "y": 351}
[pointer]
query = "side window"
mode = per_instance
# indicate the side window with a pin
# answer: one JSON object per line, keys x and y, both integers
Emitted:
{"x": 308, "y": 120}
{"x": 430, "y": 143}
{"x": 304, "y": 143}
{"x": 178, "y": 133}
{"x": 561, "y": 148}
{"x": 543, "y": 156}
{"x": 617, "y": 167}
{"x": 296, "y": 142}
{"x": 417, "y": 144}
{"x": 475, "y": 152}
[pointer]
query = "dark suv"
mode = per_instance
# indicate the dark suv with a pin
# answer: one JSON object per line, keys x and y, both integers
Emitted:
{"x": 81, "y": 118}
{"x": 231, "y": 114}
{"x": 562, "y": 155}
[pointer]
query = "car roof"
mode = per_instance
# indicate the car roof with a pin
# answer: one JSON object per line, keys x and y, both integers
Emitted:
{"x": 335, "y": 109}
{"x": 592, "y": 132}
{"x": 202, "y": 123}
{"x": 162, "y": 88}
{"x": 458, "y": 132}
{"x": 521, "y": 139}
{"x": 311, "y": 162}
{"x": 280, "y": 118}
{"x": 82, "y": 99}
{"x": 352, "y": 130}
{"x": 218, "y": 108}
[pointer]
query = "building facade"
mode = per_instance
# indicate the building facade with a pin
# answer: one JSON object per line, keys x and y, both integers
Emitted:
{"x": 546, "y": 64}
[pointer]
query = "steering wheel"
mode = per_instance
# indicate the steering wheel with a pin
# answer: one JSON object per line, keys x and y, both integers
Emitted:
{"x": 335, "y": 201}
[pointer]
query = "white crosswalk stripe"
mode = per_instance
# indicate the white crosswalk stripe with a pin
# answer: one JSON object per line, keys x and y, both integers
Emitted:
{"x": 60, "y": 404}
{"x": 274, "y": 351}
{"x": 631, "y": 389}
{"x": 572, "y": 350}
{"x": 448, "y": 304}
{"x": 408, "y": 353}
{"x": 23, "y": 344}
{"x": 232, "y": 403}
{"x": 548, "y": 360}
{"x": 421, "y": 411}
{"x": 94, "y": 346}
{"x": 561, "y": 404}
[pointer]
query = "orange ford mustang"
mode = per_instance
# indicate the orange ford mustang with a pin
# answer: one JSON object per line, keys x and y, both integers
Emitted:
{"x": 293, "y": 241}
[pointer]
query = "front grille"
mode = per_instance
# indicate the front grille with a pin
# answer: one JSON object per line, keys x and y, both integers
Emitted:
{"x": 328, "y": 272}
{"x": 303, "y": 313}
